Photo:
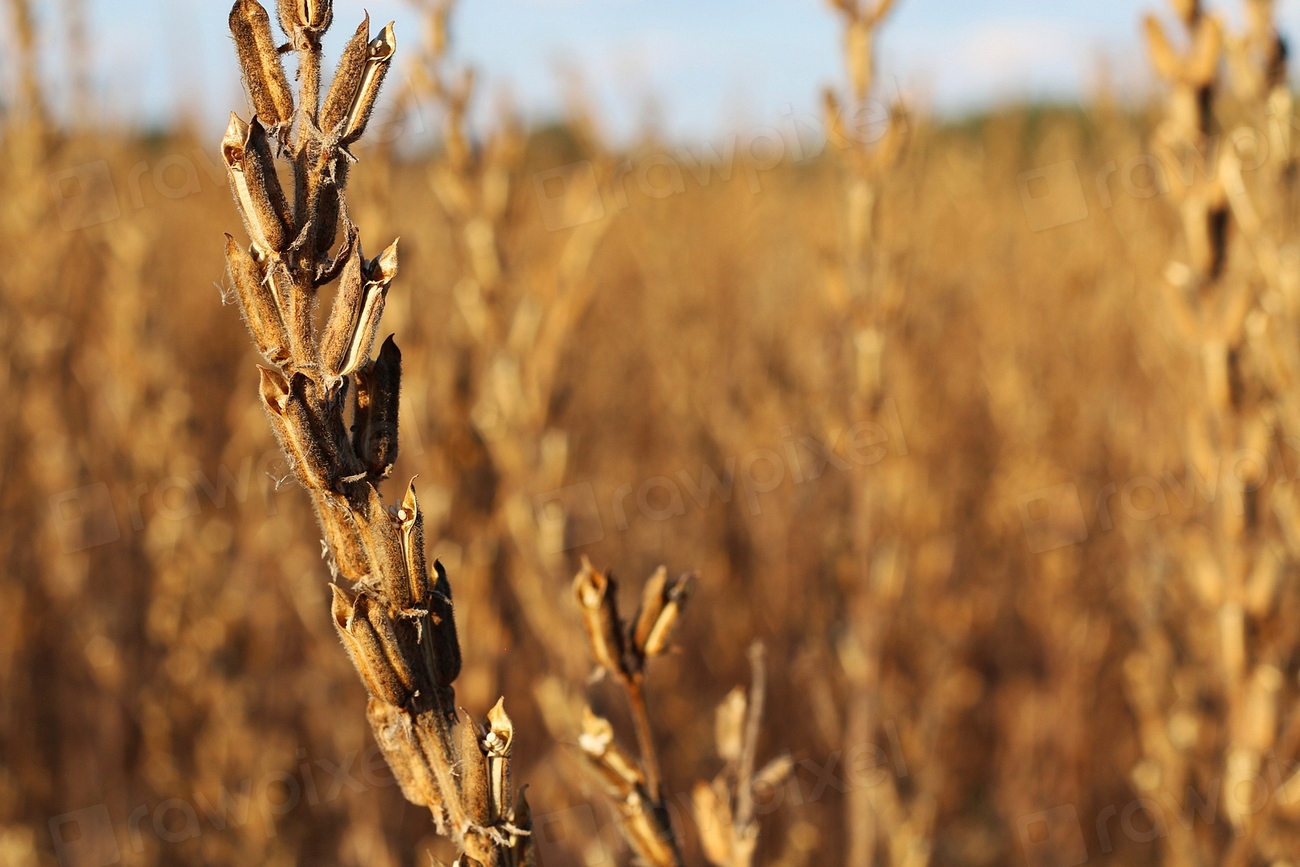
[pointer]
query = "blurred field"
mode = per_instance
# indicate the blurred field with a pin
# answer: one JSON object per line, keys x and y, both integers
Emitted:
{"x": 164, "y": 638}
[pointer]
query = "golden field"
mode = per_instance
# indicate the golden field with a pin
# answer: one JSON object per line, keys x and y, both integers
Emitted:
{"x": 987, "y": 430}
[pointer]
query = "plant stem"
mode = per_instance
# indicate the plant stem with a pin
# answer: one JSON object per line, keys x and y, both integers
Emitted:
{"x": 644, "y": 734}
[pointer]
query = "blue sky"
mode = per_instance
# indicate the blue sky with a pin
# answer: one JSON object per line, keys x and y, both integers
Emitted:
{"x": 697, "y": 67}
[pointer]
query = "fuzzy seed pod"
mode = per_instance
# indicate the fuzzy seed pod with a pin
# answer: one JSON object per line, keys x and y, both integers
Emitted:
{"x": 286, "y": 405}
{"x": 375, "y": 415}
{"x": 379, "y": 534}
{"x": 312, "y": 16}
{"x": 662, "y": 600}
{"x": 378, "y": 57}
{"x": 596, "y": 594}
{"x": 412, "y": 524}
{"x": 368, "y": 636}
{"x": 358, "y": 308}
{"x": 251, "y": 169}
{"x": 473, "y": 774}
{"x": 341, "y": 327}
{"x": 264, "y": 76}
{"x": 442, "y": 620}
{"x": 257, "y": 304}
{"x": 392, "y": 733}
{"x": 347, "y": 79}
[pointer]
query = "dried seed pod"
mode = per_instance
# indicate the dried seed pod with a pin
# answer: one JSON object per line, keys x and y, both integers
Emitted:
{"x": 713, "y": 818}
{"x": 379, "y": 533}
{"x": 496, "y": 745}
{"x": 662, "y": 600}
{"x": 264, "y": 76}
{"x": 473, "y": 774}
{"x": 368, "y": 636}
{"x": 729, "y": 725}
{"x": 442, "y": 619}
{"x": 392, "y": 733}
{"x": 618, "y": 770}
{"x": 357, "y": 310}
{"x": 375, "y": 415}
{"x": 257, "y": 304}
{"x": 595, "y": 593}
{"x": 345, "y": 313}
{"x": 412, "y": 524}
{"x": 286, "y": 406}
{"x": 379, "y": 55}
{"x": 347, "y": 78}
{"x": 251, "y": 169}
{"x": 312, "y": 16}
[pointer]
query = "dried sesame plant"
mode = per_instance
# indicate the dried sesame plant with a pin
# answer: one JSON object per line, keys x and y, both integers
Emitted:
{"x": 395, "y": 618}
{"x": 1225, "y": 636}
{"x": 890, "y": 527}
{"x": 621, "y": 649}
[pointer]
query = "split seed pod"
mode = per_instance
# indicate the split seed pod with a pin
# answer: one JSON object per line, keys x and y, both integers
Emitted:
{"x": 358, "y": 308}
{"x": 286, "y": 405}
{"x": 662, "y": 600}
{"x": 595, "y": 593}
{"x": 378, "y": 57}
{"x": 368, "y": 636}
{"x": 264, "y": 76}
{"x": 496, "y": 745}
{"x": 412, "y": 524}
{"x": 375, "y": 415}
{"x": 257, "y": 303}
{"x": 618, "y": 771}
{"x": 251, "y": 169}
{"x": 312, "y": 16}
{"x": 347, "y": 79}
{"x": 442, "y": 620}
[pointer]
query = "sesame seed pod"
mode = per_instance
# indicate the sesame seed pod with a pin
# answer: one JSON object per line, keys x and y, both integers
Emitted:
{"x": 285, "y": 406}
{"x": 374, "y": 429}
{"x": 390, "y": 726}
{"x": 313, "y": 16}
{"x": 379, "y": 533}
{"x": 366, "y": 645}
{"x": 264, "y": 76}
{"x": 496, "y": 745}
{"x": 473, "y": 774}
{"x": 442, "y": 618}
{"x": 257, "y": 304}
{"x": 379, "y": 56}
{"x": 251, "y": 168}
{"x": 347, "y": 78}
{"x": 417, "y": 569}
{"x": 595, "y": 594}
{"x": 345, "y": 313}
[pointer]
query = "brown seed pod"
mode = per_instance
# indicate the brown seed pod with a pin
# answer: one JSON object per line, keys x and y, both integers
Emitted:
{"x": 375, "y": 416}
{"x": 347, "y": 79}
{"x": 286, "y": 405}
{"x": 497, "y": 742}
{"x": 446, "y": 645}
{"x": 257, "y": 304}
{"x": 379, "y": 534}
{"x": 345, "y": 314}
{"x": 595, "y": 593}
{"x": 392, "y": 733}
{"x": 368, "y": 636}
{"x": 662, "y": 600}
{"x": 251, "y": 169}
{"x": 378, "y": 58}
{"x": 412, "y": 524}
{"x": 264, "y": 76}
{"x": 312, "y": 16}
{"x": 475, "y": 792}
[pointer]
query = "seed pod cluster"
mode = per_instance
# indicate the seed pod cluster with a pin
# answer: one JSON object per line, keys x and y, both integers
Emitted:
{"x": 395, "y": 619}
{"x": 623, "y": 648}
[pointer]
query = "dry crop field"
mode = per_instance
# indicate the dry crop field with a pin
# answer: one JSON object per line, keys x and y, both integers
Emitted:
{"x": 869, "y": 490}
